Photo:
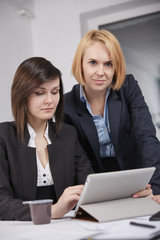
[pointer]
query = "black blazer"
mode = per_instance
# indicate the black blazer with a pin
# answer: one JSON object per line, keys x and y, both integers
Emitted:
{"x": 18, "y": 169}
{"x": 132, "y": 131}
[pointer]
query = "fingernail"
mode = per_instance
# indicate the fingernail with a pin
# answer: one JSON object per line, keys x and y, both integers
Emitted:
{"x": 135, "y": 196}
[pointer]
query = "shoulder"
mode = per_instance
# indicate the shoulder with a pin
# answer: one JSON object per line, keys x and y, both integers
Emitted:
{"x": 7, "y": 127}
{"x": 64, "y": 129}
{"x": 71, "y": 99}
{"x": 8, "y": 131}
{"x": 129, "y": 82}
{"x": 127, "y": 87}
{"x": 67, "y": 133}
{"x": 67, "y": 129}
{"x": 74, "y": 92}
{"x": 130, "y": 87}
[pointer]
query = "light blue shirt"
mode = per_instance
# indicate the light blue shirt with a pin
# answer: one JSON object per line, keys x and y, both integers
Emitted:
{"x": 102, "y": 126}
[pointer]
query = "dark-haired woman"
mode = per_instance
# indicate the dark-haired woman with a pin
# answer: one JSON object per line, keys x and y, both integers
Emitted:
{"x": 39, "y": 158}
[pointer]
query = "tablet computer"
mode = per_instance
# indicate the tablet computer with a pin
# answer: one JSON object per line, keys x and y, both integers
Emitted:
{"x": 101, "y": 187}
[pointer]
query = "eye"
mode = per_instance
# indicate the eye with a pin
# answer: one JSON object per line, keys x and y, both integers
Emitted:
{"x": 92, "y": 62}
{"x": 109, "y": 64}
{"x": 55, "y": 92}
{"x": 38, "y": 93}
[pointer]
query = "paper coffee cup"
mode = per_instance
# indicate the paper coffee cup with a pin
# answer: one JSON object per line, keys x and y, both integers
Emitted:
{"x": 40, "y": 210}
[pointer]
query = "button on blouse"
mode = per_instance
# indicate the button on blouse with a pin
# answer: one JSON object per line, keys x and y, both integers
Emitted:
{"x": 44, "y": 176}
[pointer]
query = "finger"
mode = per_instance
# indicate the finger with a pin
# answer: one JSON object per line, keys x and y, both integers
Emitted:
{"x": 143, "y": 193}
{"x": 148, "y": 186}
{"x": 74, "y": 190}
{"x": 146, "y": 192}
{"x": 70, "y": 202}
{"x": 156, "y": 198}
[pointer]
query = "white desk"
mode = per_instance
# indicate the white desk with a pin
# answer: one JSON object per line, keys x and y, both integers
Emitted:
{"x": 70, "y": 229}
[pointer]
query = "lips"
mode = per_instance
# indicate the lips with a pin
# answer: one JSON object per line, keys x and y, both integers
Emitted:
{"x": 99, "y": 81}
{"x": 47, "y": 109}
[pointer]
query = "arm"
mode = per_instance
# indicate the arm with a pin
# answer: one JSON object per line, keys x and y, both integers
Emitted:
{"x": 10, "y": 207}
{"x": 77, "y": 159}
{"x": 82, "y": 164}
{"x": 13, "y": 209}
{"x": 144, "y": 131}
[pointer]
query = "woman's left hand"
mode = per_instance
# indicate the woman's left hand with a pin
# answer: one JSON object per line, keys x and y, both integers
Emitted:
{"x": 156, "y": 198}
{"x": 147, "y": 192}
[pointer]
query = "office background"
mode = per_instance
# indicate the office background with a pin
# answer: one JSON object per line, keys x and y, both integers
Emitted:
{"x": 53, "y": 29}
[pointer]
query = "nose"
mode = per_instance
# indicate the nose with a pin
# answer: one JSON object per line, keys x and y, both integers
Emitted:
{"x": 100, "y": 69}
{"x": 48, "y": 98}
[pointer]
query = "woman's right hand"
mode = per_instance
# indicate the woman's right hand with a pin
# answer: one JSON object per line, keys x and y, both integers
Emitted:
{"x": 67, "y": 201}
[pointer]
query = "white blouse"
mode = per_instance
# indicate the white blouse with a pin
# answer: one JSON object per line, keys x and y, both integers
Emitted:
{"x": 44, "y": 176}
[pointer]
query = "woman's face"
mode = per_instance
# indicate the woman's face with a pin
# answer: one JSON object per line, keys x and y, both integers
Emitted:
{"x": 43, "y": 102}
{"x": 97, "y": 68}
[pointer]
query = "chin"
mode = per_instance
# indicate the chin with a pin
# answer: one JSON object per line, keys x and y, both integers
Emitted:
{"x": 47, "y": 117}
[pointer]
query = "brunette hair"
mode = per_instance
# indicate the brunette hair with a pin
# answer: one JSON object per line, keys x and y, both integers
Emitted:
{"x": 114, "y": 48}
{"x": 30, "y": 74}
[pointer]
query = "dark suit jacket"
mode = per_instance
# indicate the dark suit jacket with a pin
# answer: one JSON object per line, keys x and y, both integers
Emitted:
{"x": 18, "y": 169}
{"x": 132, "y": 131}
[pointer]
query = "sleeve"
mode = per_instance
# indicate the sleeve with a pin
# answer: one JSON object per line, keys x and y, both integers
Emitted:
{"x": 82, "y": 164}
{"x": 10, "y": 207}
{"x": 144, "y": 131}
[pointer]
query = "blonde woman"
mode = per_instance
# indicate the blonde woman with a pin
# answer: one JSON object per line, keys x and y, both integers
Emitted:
{"x": 108, "y": 110}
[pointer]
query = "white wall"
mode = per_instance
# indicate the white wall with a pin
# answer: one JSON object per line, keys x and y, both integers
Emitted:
{"x": 15, "y": 46}
{"x": 48, "y": 28}
{"x": 57, "y": 31}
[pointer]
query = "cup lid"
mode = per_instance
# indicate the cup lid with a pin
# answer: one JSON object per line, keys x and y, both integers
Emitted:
{"x": 38, "y": 201}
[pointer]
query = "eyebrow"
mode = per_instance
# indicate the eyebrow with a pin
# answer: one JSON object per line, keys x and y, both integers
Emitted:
{"x": 109, "y": 61}
{"x": 45, "y": 88}
{"x": 93, "y": 59}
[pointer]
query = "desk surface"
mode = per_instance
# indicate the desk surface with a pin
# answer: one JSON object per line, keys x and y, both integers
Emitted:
{"x": 67, "y": 228}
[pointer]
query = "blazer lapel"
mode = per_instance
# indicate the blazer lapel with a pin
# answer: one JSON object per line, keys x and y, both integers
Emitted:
{"x": 86, "y": 122}
{"x": 114, "y": 114}
{"x": 57, "y": 164}
{"x": 27, "y": 158}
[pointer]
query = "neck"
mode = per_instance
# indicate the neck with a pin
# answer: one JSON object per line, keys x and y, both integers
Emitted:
{"x": 95, "y": 96}
{"x": 97, "y": 102}
{"x": 39, "y": 126}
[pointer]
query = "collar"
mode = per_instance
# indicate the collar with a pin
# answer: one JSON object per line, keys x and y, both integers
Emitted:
{"x": 84, "y": 99}
{"x": 82, "y": 94}
{"x": 32, "y": 133}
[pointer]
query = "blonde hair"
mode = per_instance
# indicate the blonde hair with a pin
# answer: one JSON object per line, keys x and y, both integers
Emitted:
{"x": 114, "y": 48}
